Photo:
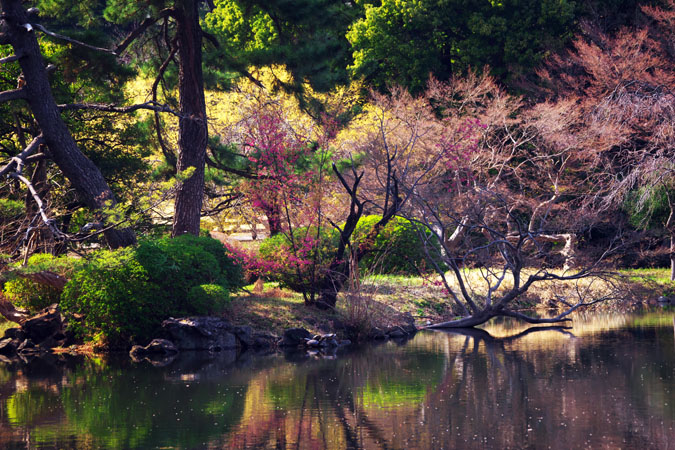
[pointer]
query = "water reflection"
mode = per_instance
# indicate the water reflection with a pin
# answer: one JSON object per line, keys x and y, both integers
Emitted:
{"x": 608, "y": 382}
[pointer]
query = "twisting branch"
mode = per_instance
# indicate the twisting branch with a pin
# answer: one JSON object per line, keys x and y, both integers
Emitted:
{"x": 241, "y": 173}
{"x": 138, "y": 31}
{"x": 68, "y": 39}
{"x": 151, "y": 105}
{"x": 19, "y": 159}
{"x": 168, "y": 154}
{"x": 211, "y": 38}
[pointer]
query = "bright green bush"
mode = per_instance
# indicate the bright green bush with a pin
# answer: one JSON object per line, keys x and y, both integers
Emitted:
{"x": 30, "y": 295}
{"x": 113, "y": 295}
{"x": 189, "y": 261}
{"x": 398, "y": 248}
{"x": 208, "y": 298}
{"x": 27, "y": 294}
{"x": 125, "y": 294}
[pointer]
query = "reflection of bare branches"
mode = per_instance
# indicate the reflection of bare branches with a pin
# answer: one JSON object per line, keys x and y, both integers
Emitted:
{"x": 484, "y": 336}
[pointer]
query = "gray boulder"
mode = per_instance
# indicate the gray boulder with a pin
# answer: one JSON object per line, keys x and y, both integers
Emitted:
{"x": 294, "y": 337}
{"x": 44, "y": 324}
{"x": 245, "y": 336}
{"x": 202, "y": 333}
{"x": 159, "y": 352}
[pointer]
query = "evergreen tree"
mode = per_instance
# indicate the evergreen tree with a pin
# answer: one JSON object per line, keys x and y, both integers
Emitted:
{"x": 403, "y": 42}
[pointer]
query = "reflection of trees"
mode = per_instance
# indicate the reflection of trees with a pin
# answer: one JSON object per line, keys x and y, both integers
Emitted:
{"x": 334, "y": 404}
{"x": 459, "y": 389}
{"x": 128, "y": 407}
{"x": 502, "y": 394}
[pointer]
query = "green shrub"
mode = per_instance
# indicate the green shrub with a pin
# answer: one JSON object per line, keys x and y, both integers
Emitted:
{"x": 33, "y": 296}
{"x": 208, "y": 298}
{"x": 294, "y": 268}
{"x": 29, "y": 295}
{"x": 113, "y": 295}
{"x": 189, "y": 261}
{"x": 125, "y": 294}
{"x": 398, "y": 248}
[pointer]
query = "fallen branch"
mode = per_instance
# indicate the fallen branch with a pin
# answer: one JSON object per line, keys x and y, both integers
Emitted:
{"x": 41, "y": 207}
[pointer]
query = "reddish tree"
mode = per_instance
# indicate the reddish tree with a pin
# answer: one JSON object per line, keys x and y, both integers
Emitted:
{"x": 622, "y": 90}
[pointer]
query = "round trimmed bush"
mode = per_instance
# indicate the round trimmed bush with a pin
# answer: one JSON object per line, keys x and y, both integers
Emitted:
{"x": 125, "y": 294}
{"x": 114, "y": 296}
{"x": 398, "y": 248}
{"x": 208, "y": 298}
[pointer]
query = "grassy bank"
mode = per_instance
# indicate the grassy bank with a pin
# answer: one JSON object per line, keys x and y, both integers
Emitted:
{"x": 382, "y": 301}
{"x": 383, "y": 298}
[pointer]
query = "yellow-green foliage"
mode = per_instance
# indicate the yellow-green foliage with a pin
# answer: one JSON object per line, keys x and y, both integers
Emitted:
{"x": 124, "y": 295}
{"x": 398, "y": 247}
{"x": 208, "y": 298}
{"x": 11, "y": 208}
{"x": 28, "y": 294}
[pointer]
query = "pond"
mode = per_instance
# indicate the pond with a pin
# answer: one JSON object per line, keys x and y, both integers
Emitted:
{"x": 609, "y": 382}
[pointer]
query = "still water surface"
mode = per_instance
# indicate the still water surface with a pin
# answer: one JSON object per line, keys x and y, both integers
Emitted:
{"x": 607, "y": 383}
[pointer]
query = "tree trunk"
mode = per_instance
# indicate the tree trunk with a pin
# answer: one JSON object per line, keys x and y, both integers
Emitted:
{"x": 273, "y": 215}
{"x": 672, "y": 257}
{"x": 192, "y": 133}
{"x": 488, "y": 313}
{"x": 467, "y": 322}
{"x": 85, "y": 177}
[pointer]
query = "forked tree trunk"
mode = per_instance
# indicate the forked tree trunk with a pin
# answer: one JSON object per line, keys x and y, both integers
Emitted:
{"x": 192, "y": 138}
{"x": 85, "y": 177}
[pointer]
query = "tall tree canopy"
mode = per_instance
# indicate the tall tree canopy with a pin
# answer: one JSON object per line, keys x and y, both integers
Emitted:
{"x": 402, "y": 42}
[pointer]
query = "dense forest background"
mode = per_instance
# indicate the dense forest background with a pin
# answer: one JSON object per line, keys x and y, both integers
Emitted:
{"x": 538, "y": 133}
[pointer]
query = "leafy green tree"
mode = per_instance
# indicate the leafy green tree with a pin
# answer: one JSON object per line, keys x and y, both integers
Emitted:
{"x": 305, "y": 36}
{"x": 402, "y": 42}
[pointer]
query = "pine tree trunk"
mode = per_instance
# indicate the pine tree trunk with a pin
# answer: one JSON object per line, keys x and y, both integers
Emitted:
{"x": 85, "y": 177}
{"x": 192, "y": 124}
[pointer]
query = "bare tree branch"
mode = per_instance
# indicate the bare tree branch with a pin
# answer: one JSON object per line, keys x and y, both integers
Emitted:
{"x": 69, "y": 39}
{"x": 14, "y": 94}
{"x": 19, "y": 159}
{"x": 41, "y": 207}
{"x": 151, "y": 105}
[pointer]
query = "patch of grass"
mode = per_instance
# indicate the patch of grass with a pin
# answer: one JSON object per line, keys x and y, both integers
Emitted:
{"x": 652, "y": 282}
{"x": 399, "y": 280}
{"x": 274, "y": 310}
{"x": 655, "y": 319}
